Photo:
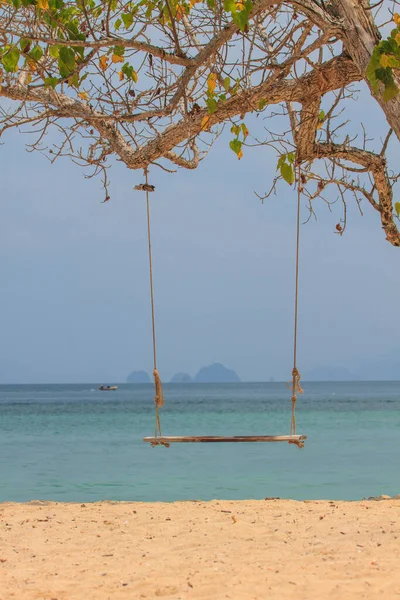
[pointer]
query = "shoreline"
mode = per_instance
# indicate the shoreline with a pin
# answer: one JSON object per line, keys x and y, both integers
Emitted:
{"x": 242, "y": 550}
{"x": 39, "y": 502}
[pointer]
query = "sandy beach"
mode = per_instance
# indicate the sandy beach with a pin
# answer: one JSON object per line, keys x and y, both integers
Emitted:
{"x": 221, "y": 549}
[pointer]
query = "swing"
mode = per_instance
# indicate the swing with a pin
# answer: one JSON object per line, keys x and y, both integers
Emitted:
{"x": 160, "y": 440}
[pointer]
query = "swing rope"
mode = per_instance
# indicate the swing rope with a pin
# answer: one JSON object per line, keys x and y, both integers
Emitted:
{"x": 159, "y": 394}
{"x": 295, "y": 383}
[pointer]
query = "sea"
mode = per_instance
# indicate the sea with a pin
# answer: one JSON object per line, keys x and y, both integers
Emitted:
{"x": 74, "y": 443}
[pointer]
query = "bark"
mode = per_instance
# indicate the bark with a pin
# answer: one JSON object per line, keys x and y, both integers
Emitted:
{"x": 360, "y": 35}
{"x": 305, "y": 137}
{"x": 332, "y": 75}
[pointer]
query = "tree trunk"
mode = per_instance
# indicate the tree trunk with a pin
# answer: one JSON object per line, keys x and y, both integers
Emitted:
{"x": 360, "y": 36}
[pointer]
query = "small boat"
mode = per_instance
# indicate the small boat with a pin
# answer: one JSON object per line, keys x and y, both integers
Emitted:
{"x": 108, "y": 388}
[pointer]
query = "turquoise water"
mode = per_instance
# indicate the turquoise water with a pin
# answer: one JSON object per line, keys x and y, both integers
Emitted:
{"x": 74, "y": 443}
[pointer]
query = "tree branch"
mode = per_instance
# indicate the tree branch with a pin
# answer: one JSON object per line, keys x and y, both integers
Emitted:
{"x": 376, "y": 165}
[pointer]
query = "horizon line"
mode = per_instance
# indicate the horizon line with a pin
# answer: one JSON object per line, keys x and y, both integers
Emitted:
{"x": 207, "y": 382}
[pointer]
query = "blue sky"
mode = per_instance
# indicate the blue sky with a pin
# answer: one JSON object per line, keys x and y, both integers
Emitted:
{"x": 75, "y": 303}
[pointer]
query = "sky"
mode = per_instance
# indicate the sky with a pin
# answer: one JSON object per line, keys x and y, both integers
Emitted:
{"x": 74, "y": 305}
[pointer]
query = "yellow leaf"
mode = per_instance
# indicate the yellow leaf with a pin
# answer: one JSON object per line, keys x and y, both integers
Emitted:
{"x": 384, "y": 60}
{"x": 180, "y": 12}
{"x": 43, "y": 4}
{"x": 32, "y": 65}
{"x": 117, "y": 59}
{"x": 205, "y": 123}
{"x": 239, "y": 5}
{"x": 396, "y": 18}
{"x": 319, "y": 125}
{"x": 1, "y": 75}
{"x": 121, "y": 76}
{"x": 103, "y": 63}
{"x": 240, "y": 154}
{"x": 28, "y": 78}
{"x": 397, "y": 38}
{"x": 193, "y": 2}
{"x": 135, "y": 76}
{"x": 84, "y": 96}
{"x": 211, "y": 82}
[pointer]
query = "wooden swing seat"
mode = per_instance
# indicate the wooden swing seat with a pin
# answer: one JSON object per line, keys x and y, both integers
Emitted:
{"x": 294, "y": 439}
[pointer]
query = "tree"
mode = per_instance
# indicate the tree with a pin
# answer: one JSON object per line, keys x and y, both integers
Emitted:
{"x": 154, "y": 81}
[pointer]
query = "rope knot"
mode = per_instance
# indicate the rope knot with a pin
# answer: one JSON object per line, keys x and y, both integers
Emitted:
{"x": 165, "y": 444}
{"x": 159, "y": 394}
{"x": 296, "y": 387}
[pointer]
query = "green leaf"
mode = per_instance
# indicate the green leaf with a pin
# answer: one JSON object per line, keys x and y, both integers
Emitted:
{"x": 281, "y": 161}
{"x": 391, "y": 90}
{"x": 73, "y": 81}
{"x": 393, "y": 62}
{"x": 372, "y": 78}
{"x": 130, "y": 72}
{"x": 262, "y": 103}
{"x": 24, "y": 44}
{"x": 119, "y": 50}
{"x": 236, "y": 146}
{"x": 10, "y": 60}
{"x": 388, "y": 46}
{"x": 36, "y": 53}
{"x": 16, "y": 3}
{"x": 386, "y": 76}
{"x": 212, "y": 105}
{"x": 287, "y": 173}
{"x": 66, "y": 61}
{"x": 127, "y": 70}
{"x": 222, "y": 97}
{"x": 291, "y": 157}
{"x": 54, "y": 51}
{"x": 73, "y": 31}
{"x": 241, "y": 19}
{"x": 227, "y": 83}
{"x": 127, "y": 19}
{"x": 373, "y": 65}
{"x": 235, "y": 129}
{"x": 149, "y": 11}
{"x": 230, "y": 6}
{"x": 321, "y": 115}
{"x": 397, "y": 208}
{"x": 50, "y": 82}
{"x": 117, "y": 24}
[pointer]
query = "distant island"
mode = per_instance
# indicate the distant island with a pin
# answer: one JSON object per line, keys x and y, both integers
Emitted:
{"x": 214, "y": 373}
{"x": 181, "y": 378}
{"x": 138, "y": 377}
